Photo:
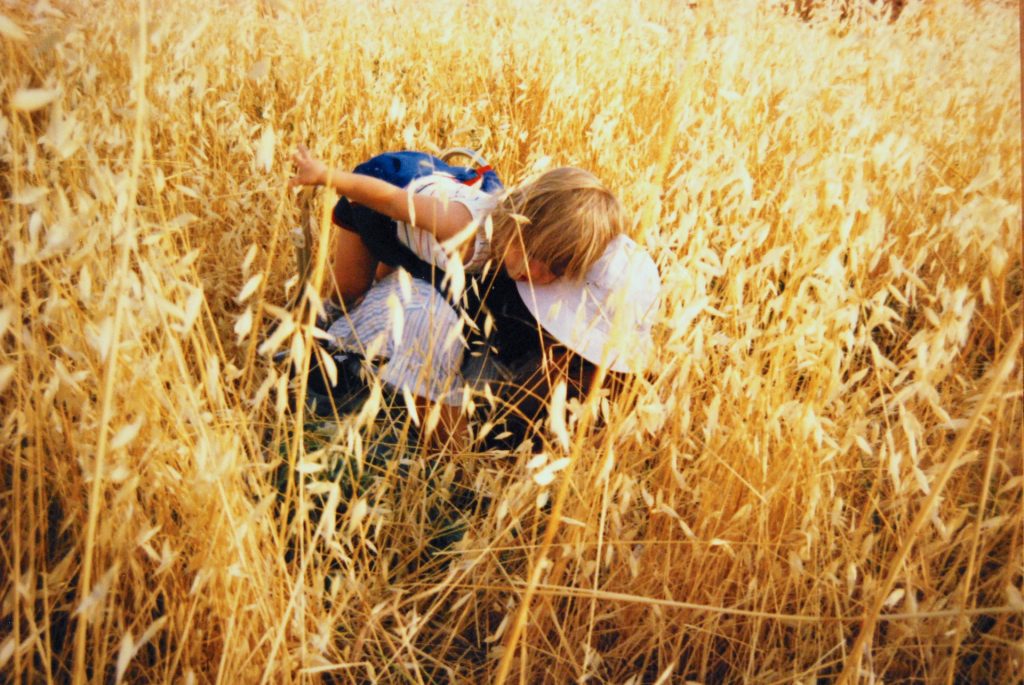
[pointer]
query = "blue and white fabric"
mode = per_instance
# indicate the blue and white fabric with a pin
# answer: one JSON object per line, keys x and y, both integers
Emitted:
{"x": 411, "y": 333}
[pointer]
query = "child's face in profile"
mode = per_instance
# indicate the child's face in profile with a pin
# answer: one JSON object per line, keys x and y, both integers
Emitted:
{"x": 519, "y": 268}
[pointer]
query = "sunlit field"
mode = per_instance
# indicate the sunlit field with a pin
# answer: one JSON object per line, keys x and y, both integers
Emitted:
{"x": 819, "y": 480}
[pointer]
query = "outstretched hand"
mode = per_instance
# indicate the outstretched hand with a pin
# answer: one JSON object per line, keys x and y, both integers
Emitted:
{"x": 309, "y": 171}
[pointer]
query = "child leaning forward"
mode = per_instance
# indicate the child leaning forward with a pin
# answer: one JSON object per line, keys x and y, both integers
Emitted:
{"x": 572, "y": 277}
{"x": 556, "y": 225}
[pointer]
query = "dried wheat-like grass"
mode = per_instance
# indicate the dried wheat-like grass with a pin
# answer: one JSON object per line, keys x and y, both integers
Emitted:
{"x": 820, "y": 479}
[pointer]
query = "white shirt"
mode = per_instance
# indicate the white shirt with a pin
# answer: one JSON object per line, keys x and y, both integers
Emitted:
{"x": 446, "y": 188}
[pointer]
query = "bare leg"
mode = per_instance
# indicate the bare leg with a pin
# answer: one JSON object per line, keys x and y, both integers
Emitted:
{"x": 353, "y": 267}
{"x": 451, "y": 431}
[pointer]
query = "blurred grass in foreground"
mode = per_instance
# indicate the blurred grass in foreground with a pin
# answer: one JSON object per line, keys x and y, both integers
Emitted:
{"x": 825, "y": 462}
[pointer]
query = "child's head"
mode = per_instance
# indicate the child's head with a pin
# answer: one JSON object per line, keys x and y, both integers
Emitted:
{"x": 555, "y": 225}
{"x": 606, "y": 317}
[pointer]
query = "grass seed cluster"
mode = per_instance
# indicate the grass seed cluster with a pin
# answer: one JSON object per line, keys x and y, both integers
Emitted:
{"x": 820, "y": 479}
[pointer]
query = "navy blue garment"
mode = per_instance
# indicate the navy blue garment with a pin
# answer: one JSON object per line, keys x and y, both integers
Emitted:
{"x": 400, "y": 168}
{"x": 380, "y": 232}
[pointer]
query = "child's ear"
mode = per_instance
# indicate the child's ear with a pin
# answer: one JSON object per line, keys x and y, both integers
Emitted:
{"x": 541, "y": 273}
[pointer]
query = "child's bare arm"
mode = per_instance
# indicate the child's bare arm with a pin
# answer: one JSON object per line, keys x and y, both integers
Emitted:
{"x": 444, "y": 219}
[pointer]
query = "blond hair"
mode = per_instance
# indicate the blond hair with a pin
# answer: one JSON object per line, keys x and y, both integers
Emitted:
{"x": 564, "y": 218}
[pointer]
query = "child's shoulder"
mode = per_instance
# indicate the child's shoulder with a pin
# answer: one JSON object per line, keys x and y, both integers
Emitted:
{"x": 444, "y": 186}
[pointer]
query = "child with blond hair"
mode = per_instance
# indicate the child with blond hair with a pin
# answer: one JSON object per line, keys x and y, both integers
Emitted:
{"x": 555, "y": 225}
{"x": 563, "y": 274}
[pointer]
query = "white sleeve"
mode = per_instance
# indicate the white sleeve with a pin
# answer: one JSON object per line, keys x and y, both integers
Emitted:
{"x": 423, "y": 244}
{"x": 479, "y": 204}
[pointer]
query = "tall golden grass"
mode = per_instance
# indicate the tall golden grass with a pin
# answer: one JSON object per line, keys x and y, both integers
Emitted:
{"x": 820, "y": 480}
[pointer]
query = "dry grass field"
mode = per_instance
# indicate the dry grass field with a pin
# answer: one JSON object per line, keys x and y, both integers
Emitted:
{"x": 820, "y": 481}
